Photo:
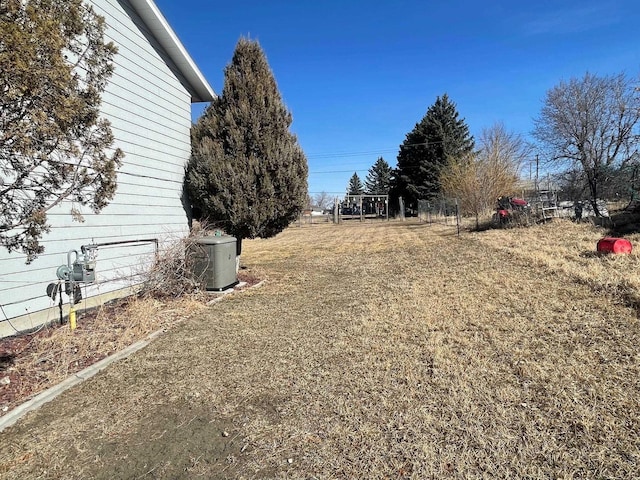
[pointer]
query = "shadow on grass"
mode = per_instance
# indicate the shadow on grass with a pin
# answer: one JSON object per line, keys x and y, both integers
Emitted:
{"x": 592, "y": 254}
{"x": 493, "y": 225}
{"x": 485, "y": 226}
{"x": 624, "y": 223}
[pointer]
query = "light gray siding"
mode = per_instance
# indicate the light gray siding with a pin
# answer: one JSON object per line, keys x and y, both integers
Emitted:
{"x": 150, "y": 112}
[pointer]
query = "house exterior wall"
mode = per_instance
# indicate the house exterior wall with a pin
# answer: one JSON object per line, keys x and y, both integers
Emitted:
{"x": 150, "y": 114}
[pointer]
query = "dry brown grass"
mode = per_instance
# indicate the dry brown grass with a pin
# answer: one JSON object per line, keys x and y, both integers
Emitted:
{"x": 43, "y": 359}
{"x": 567, "y": 248}
{"x": 384, "y": 350}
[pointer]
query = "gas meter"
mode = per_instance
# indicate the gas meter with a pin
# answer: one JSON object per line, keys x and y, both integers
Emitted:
{"x": 82, "y": 269}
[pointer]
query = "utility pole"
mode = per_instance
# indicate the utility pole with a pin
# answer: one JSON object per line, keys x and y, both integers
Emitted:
{"x": 537, "y": 166}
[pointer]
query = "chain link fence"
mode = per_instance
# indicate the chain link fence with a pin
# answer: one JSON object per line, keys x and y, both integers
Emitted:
{"x": 441, "y": 210}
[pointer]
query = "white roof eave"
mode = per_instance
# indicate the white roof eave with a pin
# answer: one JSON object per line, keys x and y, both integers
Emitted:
{"x": 200, "y": 89}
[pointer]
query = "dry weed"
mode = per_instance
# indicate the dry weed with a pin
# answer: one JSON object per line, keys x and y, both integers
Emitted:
{"x": 567, "y": 248}
{"x": 170, "y": 294}
{"x": 171, "y": 275}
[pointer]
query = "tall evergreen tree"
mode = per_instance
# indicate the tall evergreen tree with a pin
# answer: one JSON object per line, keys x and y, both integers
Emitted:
{"x": 440, "y": 135}
{"x": 355, "y": 186}
{"x": 378, "y": 179}
{"x": 247, "y": 173}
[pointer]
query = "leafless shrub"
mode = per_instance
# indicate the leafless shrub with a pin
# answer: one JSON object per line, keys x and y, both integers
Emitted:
{"x": 172, "y": 274}
{"x": 479, "y": 178}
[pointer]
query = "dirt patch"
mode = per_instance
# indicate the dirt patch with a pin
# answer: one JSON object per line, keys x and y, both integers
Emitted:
{"x": 178, "y": 444}
{"x": 188, "y": 440}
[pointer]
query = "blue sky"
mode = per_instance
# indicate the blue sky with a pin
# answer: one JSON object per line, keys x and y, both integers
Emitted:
{"x": 358, "y": 75}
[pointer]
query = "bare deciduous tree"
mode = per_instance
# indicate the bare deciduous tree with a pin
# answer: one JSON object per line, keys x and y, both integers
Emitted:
{"x": 478, "y": 179}
{"x": 591, "y": 123}
{"x": 323, "y": 200}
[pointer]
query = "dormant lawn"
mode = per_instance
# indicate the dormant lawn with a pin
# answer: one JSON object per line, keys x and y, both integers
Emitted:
{"x": 375, "y": 350}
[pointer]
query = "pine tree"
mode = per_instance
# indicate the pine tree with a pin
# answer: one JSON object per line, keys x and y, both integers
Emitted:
{"x": 378, "y": 179}
{"x": 440, "y": 135}
{"x": 54, "y": 147}
{"x": 247, "y": 173}
{"x": 355, "y": 186}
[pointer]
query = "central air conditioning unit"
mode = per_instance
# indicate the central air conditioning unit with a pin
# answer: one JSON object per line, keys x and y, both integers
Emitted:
{"x": 213, "y": 259}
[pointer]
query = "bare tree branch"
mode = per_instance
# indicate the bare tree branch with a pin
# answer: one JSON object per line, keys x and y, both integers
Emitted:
{"x": 591, "y": 123}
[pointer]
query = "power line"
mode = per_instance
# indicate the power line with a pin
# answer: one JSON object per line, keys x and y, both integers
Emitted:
{"x": 521, "y": 136}
{"x": 350, "y": 154}
{"x": 370, "y": 152}
{"x": 341, "y": 171}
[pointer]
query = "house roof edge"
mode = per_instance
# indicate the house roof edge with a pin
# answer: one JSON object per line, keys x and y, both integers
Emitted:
{"x": 198, "y": 86}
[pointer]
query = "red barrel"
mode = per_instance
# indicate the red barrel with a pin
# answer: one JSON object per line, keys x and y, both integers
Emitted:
{"x": 614, "y": 245}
